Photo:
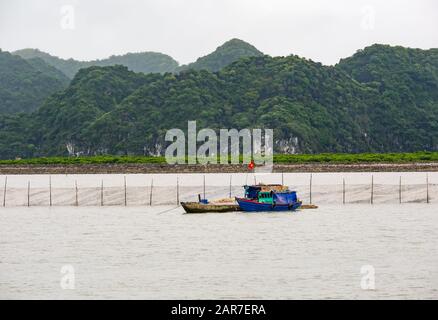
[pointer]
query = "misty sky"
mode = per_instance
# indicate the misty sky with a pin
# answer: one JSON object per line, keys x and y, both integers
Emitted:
{"x": 322, "y": 30}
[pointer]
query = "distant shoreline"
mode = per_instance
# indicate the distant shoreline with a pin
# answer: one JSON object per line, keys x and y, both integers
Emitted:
{"x": 126, "y": 168}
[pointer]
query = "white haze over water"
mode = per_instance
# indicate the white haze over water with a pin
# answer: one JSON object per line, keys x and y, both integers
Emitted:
{"x": 324, "y": 31}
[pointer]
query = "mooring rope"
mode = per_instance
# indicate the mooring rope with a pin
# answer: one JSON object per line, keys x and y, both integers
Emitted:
{"x": 168, "y": 210}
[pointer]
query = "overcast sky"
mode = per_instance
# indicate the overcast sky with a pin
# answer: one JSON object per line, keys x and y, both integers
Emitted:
{"x": 322, "y": 30}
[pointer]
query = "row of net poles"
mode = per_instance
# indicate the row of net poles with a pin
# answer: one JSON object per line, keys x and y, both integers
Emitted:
{"x": 28, "y": 193}
{"x": 4, "y": 191}
{"x": 101, "y": 193}
{"x": 343, "y": 190}
{"x": 310, "y": 189}
{"x": 150, "y": 193}
{"x": 50, "y": 192}
{"x": 203, "y": 188}
{"x": 231, "y": 177}
{"x": 310, "y": 185}
{"x": 125, "y": 191}
{"x": 177, "y": 190}
{"x": 229, "y": 191}
{"x": 76, "y": 203}
{"x": 400, "y": 188}
{"x": 427, "y": 188}
{"x": 76, "y": 194}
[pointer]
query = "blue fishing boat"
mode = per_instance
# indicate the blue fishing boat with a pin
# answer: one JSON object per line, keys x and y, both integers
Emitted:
{"x": 268, "y": 198}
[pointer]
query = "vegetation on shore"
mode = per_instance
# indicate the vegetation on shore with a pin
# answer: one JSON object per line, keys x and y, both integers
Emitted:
{"x": 408, "y": 157}
{"x": 335, "y": 158}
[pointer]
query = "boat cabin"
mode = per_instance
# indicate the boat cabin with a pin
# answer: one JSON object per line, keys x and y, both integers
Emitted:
{"x": 265, "y": 197}
{"x": 270, "y": 194}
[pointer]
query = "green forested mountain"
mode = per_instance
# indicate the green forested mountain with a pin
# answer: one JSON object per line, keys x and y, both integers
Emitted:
{"x": 151, "y": 62}
{"x": 145, "y": 62}
{"x": 16, "y": 138}
{"x": 69, "y": 67}
{"x": 25, "y": 84}
{"x": 46, "y": 69}
{"x": 224, "y": 55}
{"x": 312, "y": 108}
{"x": 407, "y": 82}
{"x": 65, "y": 117}
{"x": 381, "y": 99}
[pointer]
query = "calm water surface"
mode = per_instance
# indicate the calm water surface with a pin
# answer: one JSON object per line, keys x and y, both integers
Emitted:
{"x": 158, "y": 252}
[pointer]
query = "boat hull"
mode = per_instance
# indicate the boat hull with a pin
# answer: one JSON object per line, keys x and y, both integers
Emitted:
{"x": 255, "y": 206}
{"x": 196, "y": 207}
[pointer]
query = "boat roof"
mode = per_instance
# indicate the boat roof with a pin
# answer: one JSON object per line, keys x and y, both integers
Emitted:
{"x": 267, "y": 187}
